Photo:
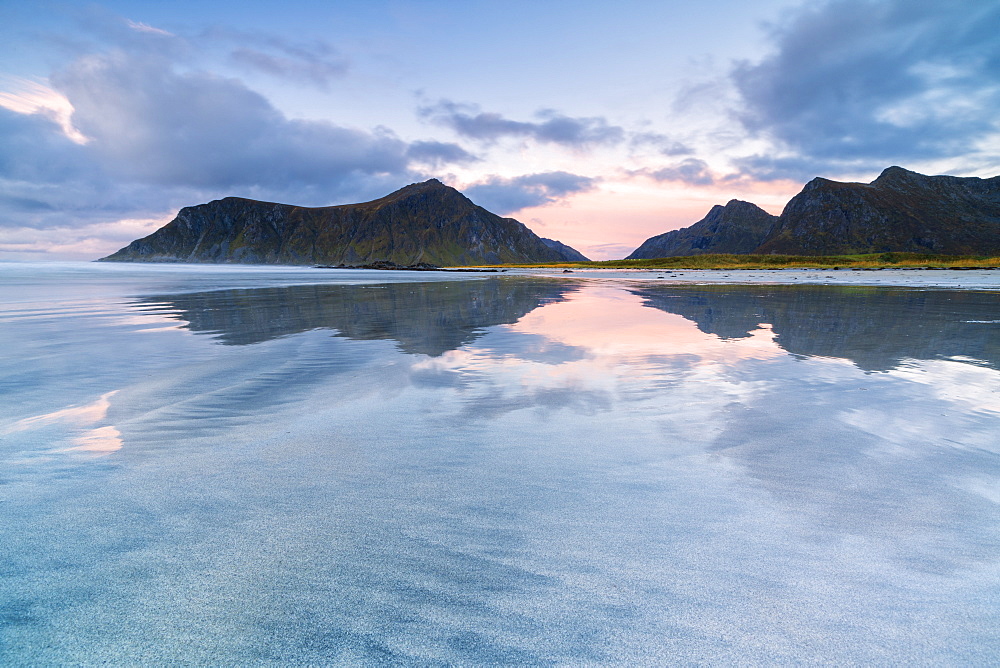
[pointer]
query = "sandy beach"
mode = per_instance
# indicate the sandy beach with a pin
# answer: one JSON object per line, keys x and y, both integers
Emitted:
{"x": 228, "y": 464}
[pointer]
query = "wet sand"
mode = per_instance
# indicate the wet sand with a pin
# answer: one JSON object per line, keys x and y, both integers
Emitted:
{"x": 279, "y": 466}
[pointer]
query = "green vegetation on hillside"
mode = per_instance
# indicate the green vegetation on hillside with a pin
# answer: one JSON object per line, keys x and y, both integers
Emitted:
{"x": 867, "y": 261}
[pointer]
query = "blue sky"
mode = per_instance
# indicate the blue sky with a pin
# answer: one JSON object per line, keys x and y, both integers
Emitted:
{"x": 599, "y": 124}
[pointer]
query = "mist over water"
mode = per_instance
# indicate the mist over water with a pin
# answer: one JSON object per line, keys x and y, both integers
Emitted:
{"x": 267, "y": 466}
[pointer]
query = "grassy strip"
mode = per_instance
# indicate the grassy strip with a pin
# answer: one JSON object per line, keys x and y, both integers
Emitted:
{"x": 867, "y": 261}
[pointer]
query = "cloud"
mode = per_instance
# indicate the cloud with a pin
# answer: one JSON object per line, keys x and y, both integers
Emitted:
{"x": 692, "y": 171}
{"x": 609, "y": 251}
{"x": 159, "y": 137}
{"x": 31, "y": 97}
{"x": 551, "y": 127}
{"x": 102, "y": 28}
{"x": 662, "y": 143}
{"x": 143, "y": 27}
{"x": 150, "y": 123}
{"x": 507, "y": 195}
{"x": 318, "y": 62}
{"x": 437, "y": 154}
{"x": 867, "y": 83}
{"x": 315, "y": 62}
{"x": 79, "y": 242}
{"x": 35, "y": 151}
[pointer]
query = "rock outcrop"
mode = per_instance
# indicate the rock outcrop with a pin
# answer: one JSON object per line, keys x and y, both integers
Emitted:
{"x": 425, "y": 222}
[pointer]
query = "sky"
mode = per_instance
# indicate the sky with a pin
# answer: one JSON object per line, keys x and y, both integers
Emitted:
{"x": 598, "y": 124}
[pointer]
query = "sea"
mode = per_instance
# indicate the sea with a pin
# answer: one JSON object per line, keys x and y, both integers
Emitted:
{"x": 235, "y": 465}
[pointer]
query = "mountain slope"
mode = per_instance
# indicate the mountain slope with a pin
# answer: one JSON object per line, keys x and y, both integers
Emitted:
{"x": 423, "y": 222}
{"x": 900, "y": 211}
{"x": 568, "y": 252}
{"x": 726, "y": 229}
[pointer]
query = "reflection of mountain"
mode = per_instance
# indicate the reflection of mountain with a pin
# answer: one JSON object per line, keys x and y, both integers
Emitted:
{"x": 429, "y": 318}
{"x": 873, "y": 327}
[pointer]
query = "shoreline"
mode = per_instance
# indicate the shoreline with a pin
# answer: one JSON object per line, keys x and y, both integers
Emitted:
{"x": 251, "y": 274}
{"x": 963, "y": 279}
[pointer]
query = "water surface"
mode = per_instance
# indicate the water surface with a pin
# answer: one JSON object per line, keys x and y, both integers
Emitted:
{"x": 267, "y": 466}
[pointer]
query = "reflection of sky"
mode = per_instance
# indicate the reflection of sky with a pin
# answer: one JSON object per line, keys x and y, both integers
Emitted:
{"x": 613, "y": 322}
{"x": 597, "y": 482}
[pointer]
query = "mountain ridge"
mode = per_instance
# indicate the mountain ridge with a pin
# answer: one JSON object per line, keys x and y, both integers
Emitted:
{"x": 425, "y": 222}
{"x": 725, "y": 229}
{"x": 899, "y": 211}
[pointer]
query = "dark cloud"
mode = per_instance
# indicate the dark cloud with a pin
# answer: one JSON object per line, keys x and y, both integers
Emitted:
{"x": 661, "y": 143}
{"x": 866, "y": 83}
{"x": 437, "y": 153}
{"x": 148, "y": 122}
{"x": 34, "y": 149}
{"x": 302, "y": 65}
{"x": 551, "y": 127}
{"x": 507, "y": 195}
{"x": 316, "y": 62}
{"x": 690, "y": 170}
{"x": 160, "y": 138}
{"x": 771, "y": 168}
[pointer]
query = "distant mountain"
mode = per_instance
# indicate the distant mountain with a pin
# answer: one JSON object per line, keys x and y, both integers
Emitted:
{"x": 900, "y": 211}
{"x": 726, "y": 229}
{"x": 567, "y": 252}
{"x": 423, "y": 222}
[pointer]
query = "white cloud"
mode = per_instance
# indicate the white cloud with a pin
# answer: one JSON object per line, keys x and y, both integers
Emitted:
{"x": 25, "y": 96}
{"x": 139, "y": 26}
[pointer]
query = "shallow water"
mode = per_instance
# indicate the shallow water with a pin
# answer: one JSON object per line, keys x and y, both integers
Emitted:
{"x": 222, "y": 465}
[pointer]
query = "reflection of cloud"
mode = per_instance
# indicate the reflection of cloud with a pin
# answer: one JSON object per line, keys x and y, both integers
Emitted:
{"x": 971, "y": 386}
{"x": 563, "y": 356}
{"x": 957, "y": 407}
{"x": 79, "y": 415}
{"x": 583, "y": 320}
{"x": 102, "y": 440}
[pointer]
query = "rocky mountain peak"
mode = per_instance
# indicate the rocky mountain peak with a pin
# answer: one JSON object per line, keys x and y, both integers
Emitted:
{"x": 891, "y": 176}
{"x": 431, "y": 189}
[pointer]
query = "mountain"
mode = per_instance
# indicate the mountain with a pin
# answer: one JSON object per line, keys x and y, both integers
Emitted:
{"x": 567, "y": 252}
{"x": 900, "y": 211}
{"x": 726, "y": 229}
{"x": 423, "y": 222}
